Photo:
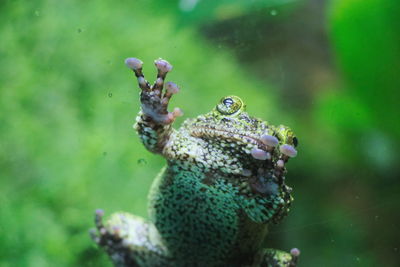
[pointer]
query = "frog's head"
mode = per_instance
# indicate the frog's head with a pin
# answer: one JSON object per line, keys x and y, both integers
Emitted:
{"x": 228, "y": 120}
{"x": 228, "y": 125}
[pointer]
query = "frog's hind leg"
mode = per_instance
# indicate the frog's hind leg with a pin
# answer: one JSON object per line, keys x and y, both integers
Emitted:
{"x": 277, "y": 258}
{"x": 129, "y": 240}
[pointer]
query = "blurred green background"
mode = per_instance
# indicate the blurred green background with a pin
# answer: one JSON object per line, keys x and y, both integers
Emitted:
{"x": 329, "y": 69}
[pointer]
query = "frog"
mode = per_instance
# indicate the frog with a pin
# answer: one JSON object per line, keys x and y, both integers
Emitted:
{"x": 222, "y": 188}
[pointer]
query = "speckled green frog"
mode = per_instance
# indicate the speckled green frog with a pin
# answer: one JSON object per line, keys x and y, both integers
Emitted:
{"x": 224, "y": 183}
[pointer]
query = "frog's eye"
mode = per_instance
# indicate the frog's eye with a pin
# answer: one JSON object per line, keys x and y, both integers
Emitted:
{"x": 295, "y": 141}
{"x": 229, "y": 105}
{"x": 228, "y": 102}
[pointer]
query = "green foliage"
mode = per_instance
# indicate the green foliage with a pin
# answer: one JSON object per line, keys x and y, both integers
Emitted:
{"x": 67, "y": 106}
{"x": 67, "y": 103}
{"x": 366, "y": 36}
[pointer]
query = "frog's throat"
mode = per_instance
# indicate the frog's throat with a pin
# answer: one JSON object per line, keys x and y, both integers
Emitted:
{"x": 245, "y": 138}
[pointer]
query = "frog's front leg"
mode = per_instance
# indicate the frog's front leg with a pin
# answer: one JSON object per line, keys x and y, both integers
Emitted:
{"x": 154, "y": 122}
{"x": 130, "y": 240}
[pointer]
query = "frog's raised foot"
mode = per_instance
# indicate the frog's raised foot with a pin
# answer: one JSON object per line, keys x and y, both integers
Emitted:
{"x": 154, "y": 101}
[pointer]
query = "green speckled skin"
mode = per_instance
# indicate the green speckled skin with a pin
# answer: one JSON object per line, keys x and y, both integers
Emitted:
{"x": 212, "y": 204}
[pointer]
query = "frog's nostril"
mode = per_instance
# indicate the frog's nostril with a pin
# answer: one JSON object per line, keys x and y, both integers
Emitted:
{"x": 295, "y": 141}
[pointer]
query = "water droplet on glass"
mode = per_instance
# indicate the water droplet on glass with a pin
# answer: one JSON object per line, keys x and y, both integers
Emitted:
{"x": 142, "y": 161}
{"x": 110, "y": 94}
{"x": 273, "y": 12}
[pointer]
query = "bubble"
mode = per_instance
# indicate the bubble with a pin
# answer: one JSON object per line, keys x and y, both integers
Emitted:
{"x": 37, "y": 13}
{"x": 141, "y": 161}
{"x": 109, "y": 94}
{"x": 273, "y": 12}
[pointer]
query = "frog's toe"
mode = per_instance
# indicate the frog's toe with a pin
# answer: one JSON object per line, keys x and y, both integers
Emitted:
{"x": 171, "y": 116}
{"x": 171, "y": 89}
{"x": 269, "y": 140}
{"x": 278, "y": 258}
{"x": 260, "y": 154}
{"x": 280, "y": 164}
{"x": 136, "y": 65}
{"x": 295, "y": 252}
{"x": 288, "y": 150}
{"x": 133, "y": 63}
{"x": 163, "y": 66}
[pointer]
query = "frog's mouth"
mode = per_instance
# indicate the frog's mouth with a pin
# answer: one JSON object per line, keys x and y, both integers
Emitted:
{"x": 245, "y": 138}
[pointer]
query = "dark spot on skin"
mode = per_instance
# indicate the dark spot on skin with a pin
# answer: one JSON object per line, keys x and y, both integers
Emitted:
{"x": 208, "y": 179}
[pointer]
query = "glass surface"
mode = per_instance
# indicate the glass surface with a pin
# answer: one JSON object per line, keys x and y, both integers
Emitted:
{"x": 328, "y": 69}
